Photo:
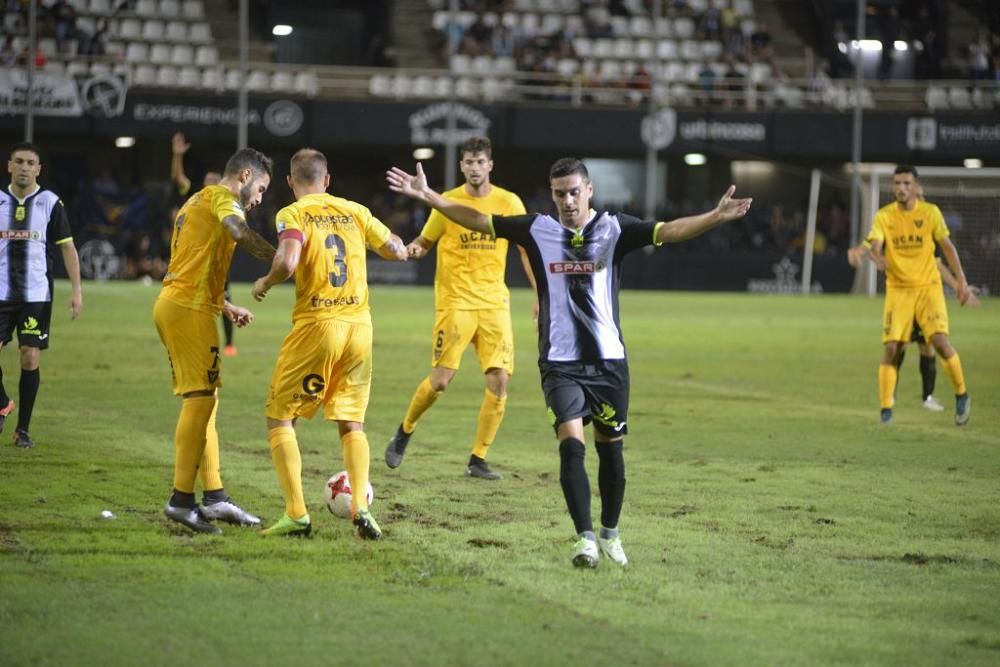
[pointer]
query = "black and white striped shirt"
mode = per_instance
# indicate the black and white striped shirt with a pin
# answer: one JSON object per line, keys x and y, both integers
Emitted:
{"x": 578, "y": 274}
{"x": 30, "y": 229}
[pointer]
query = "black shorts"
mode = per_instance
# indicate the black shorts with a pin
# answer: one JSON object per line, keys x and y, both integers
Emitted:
{"x": 918, "y": 335}
{"x": 30, "y": 320}
{"x": 596, "y": 392}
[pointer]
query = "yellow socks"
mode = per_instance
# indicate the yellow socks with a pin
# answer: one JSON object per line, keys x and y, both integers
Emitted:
{"x": 189, "y": 440}
{"x": 423, "y": 399}
{"x": 356, "y": 460}
{"x": 887, "y": 376}
{"x": 490, "y": 416}
{"x": 211, "y": 477}
{"x": 288, "y": 463}
{"x": 953, "y": 368}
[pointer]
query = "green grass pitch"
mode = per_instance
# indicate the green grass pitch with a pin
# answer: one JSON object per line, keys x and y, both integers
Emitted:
{"x": 769, "y": 518}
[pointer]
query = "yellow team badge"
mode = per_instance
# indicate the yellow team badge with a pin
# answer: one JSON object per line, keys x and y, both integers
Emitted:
{"x": 19, "y": 214}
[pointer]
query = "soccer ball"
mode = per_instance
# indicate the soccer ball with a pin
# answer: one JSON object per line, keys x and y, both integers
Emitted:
{"x": 338, "y": 495}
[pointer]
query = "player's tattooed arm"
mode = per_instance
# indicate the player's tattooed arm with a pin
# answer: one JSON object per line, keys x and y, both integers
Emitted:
{"x": 394, "y": 249}
{"x": 248, "y": 239}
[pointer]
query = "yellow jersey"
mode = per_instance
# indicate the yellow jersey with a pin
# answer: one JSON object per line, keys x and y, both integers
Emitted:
{"x": 331, "y": 280}
{"x": 471, "y": 265}
{"x": 201, "y": 250}
{"x": 908, "y": 242}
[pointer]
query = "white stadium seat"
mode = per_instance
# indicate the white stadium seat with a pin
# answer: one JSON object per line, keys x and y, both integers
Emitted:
{"x": 189, "y": 77}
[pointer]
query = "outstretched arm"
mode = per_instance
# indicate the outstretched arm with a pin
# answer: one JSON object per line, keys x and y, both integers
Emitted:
{"x": 393, "y": 249}
{"x": 179, "y": 147}
{"x": 286, "y": 259}
{"x": 875, "y": 252}
{"x": 949, "y": 279}
{"x": 683, "y": 229}
{"x": 248, "y": 239}
{"x": 415, "y": 186}
{"x": 72, "y": 261}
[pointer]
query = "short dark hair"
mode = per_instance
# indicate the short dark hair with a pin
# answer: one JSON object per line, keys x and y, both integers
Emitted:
{"x": 476, "y": 145}
{"x": 308, "y": 166}
{"x": 25, "y": 146}
{"x": 248, "y": 158}
{"x": 568, "y": 166}
{"x": 906, "y": 169}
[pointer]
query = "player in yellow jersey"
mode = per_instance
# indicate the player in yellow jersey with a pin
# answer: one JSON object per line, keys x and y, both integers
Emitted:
{"x": 326, "y": 360}
{"x": 205, "y": 234}
{"x": 472, "y": 306}
{"x": 902, "y": 243}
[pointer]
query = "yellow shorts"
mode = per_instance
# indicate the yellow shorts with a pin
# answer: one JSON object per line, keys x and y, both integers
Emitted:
{"x": 326, "y": 363}
{"x": 489, "y": 330}
{"x": 192, "y": 341}
{"x": 904, "y": 305}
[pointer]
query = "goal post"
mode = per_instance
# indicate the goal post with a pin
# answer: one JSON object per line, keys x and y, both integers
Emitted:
{"x": 969, "y": 200}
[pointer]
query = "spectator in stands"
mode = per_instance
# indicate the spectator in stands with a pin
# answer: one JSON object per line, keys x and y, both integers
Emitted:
{"x": 710, "y": 26}
{"x": 8, "y": 55}
{"x": 597, "y": 22}
{"x": 733, "y": 87}
{"x": 481, "y": 34}
{"x": 888, "y": 28}
{"x": 64, "y": 23}
{"x": 840, "y": 64}
{"x": 504, "y": 42}
{"x": 979, "y": 58}
{"x": 928, "y": 55}
{"x": 761, "y": 48}
{"x": 706, "y": 82}
{"x": 97, "y": 45}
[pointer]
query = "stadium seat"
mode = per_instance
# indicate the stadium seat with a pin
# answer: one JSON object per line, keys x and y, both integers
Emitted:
{"x": 603, "y": 48}
{"x": 145, "y": 8}
{"x": 130, "y": 29}
{"x": 619, "y": 26}
{"x": 170, "y": 9}
{"x": 200, "y": 33}
{"x": 959, "y": 97}
{"x": 530, "y": 25}
{"x": 574, "y": 24}
{"x": 306, "y": 84}
{"x": 379, "y": 85}
{"x": 583, "y": 47}
{"x": 258, "y": 81}
{"x": 644, "y": 49}
{"x": 698, "y": 6}
{"x": 100, "y": 69}
{"x": 640, "y": 26}
{"x": 166, "y": 76}
{"x": 743, "y": 7}
{"x": 282, "y": 81}
{"x": 711, "y": 50}
{"x": 400, "y": 86}
{"x": 674, "y": 71}
{"x": 79, "y": 5}
{"x": 551, "y": 24}
{"x": 691, "y": 49}
{"x": 442, "y": 86}
{"x": 177, "y": 31}
{"x": 423, "y": 86}
{"x": 100, "y": 7}
{"x": 211, "y": 78}
{"x": 567, "y": 66}
{"x": 623, "y": 48}
{"x": 666, "y": 49}
{"x": 482, "y": 65}
{"x": 160, "y": 54}
{"x": 504, "y": 65}
{"x": 663, "y": 27}
{"x": 152, "y": 31}
{"x": 189, "y": 77}
{"x": 137, "y": 52}
{"x": 77, "y": 68}
{"x": 182, "y": 54}
{"x": 683, "y": 27}
{"x": 466, "y": 88}
{"x": 461, "y": 63}
{"x": 144, "y": 75}
{"x": 193, "y": 9}
{"x": 232, "y": 79}
{"x": 936, "y": 98}
{"x": 206, "y": 56}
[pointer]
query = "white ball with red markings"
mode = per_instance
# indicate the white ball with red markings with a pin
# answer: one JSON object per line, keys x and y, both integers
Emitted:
{"x": 338, "y": 495}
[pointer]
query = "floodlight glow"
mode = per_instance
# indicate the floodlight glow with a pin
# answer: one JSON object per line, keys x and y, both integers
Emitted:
{"x": 695, "y": 159}
{"x": 281, "y": 30}
{"x": 124, "y": 142}
{"x": 842, "y": 47}
{"x": 972, "y": 163}
{"x": 900, "y": 45}
{"x": 867, "y": 44}
{"x": 424, "y": 153}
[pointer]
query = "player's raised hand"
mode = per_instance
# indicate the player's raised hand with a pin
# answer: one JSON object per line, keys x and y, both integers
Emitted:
{"x": 411, "y": 185}
{"x": 732, "y": 209}
{"x": 178, "y": 144}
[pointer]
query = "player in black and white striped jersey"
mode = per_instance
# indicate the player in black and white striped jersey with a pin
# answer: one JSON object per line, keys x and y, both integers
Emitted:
{"x": 577, "y": 262}
{"x": 33, "y": 224}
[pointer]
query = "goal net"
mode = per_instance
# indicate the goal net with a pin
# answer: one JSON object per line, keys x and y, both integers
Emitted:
{"x": 969, "y": 200}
